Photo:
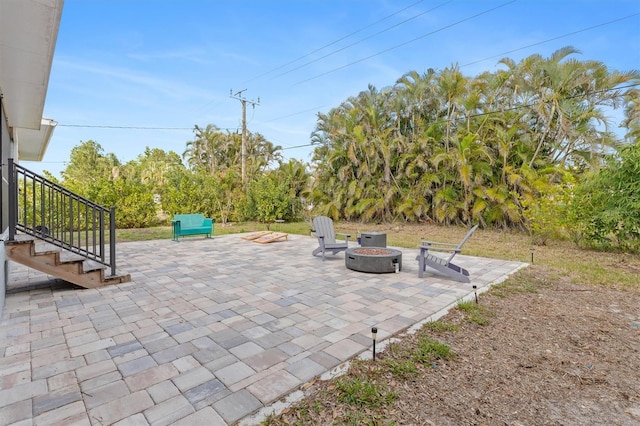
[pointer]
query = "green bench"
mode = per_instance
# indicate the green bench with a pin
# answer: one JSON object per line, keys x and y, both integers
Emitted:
{"x": 191, "y": 224}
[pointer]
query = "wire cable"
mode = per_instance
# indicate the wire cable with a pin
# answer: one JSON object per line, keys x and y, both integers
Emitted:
{"x": 315, "y": 108}
{"x": 361, "y": 40}
{"x": 524, "y": 47}
{"x": 551, "y": 39}
{"x": 335, "y": 41}
{"x": 514, "y": 108}
{"x": 295, "y": 113}
{"x": 406, "y": 42}
{"x": 98, "y": 126}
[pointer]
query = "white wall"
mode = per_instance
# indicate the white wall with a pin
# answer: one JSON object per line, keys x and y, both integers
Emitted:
{"x": 7, "y": 149}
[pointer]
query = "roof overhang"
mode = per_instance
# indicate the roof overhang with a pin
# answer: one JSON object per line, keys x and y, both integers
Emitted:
{"x": 28, "y": 33}
{"x": 32, "y": 144}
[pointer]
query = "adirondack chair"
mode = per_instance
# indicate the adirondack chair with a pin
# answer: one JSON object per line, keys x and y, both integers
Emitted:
{"x": 443, "y": 264}
{"x": 323, "y": 227}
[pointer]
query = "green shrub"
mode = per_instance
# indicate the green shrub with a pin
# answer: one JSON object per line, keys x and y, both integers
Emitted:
{"x": 606, "y": 207}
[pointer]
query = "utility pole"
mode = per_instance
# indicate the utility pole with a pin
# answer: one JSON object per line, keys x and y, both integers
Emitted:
{"x": 243, "y": 151}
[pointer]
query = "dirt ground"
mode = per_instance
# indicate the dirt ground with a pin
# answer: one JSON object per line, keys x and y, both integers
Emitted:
{"x": 549, "y": 352}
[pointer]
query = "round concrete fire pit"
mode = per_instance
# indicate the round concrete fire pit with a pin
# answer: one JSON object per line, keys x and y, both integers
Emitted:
{"x": 377, "y": 260}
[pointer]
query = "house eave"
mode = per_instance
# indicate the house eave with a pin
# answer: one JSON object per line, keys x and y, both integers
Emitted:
{"x": 28, "y": 34}
{"x": 32, "y": 144}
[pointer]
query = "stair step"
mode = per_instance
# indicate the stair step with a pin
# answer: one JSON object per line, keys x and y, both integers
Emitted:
{"x": 61, "y": 263}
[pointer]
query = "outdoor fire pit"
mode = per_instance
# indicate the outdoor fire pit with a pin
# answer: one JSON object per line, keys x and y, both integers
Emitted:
{"x": 377, "y": 260}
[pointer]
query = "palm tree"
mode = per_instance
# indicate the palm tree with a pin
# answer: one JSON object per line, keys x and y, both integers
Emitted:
{"x": 632, "y": 114}
{"x": 451, "y": 86}
{"x": 203, "y": 152}
{"x": 566, "y": 99}
{"x": 261, "y": 154}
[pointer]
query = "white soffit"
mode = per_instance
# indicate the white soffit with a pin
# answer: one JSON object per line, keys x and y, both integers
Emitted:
{"x": 28, "y": 33}
{"x": 32, "y": 144}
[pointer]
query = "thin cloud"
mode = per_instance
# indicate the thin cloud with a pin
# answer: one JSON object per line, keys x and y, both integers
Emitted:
{"x": 164, "y": 87}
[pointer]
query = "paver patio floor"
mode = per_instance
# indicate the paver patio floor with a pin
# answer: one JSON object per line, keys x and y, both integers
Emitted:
{"x": 207, "y": 332}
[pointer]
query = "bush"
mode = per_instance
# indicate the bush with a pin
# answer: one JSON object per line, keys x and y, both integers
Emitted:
{"x": 605, "y": 211}
{"x": 134, "y": 203}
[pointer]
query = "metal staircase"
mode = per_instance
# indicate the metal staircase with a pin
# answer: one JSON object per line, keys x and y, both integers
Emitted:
{"x": 60, "y": 233}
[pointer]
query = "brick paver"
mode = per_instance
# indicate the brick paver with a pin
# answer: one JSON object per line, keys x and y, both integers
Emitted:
{"x": 13, "y": 413}
{"x": 236, "y": 406}
{"x": 273, "y": 386}
{"x": 206, "y": 416}
{"x": 107, "y": 393}
{"x": 169, "y": 411}
{"x": 203, "y": 342}
{"x": 121, "y": 408}
{"x": 234, "y": 373}
{"x": 73, "y": 414}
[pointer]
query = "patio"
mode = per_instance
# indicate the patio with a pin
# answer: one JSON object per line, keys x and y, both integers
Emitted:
{"x": 208, "y": 332}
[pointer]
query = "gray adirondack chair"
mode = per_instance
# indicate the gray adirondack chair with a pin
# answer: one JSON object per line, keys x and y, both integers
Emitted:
{"x": 323, "y": 227}
{"x": 441, "y": 263}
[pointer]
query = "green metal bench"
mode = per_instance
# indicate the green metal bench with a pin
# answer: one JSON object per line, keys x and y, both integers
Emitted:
{"x": 191, "y": 224}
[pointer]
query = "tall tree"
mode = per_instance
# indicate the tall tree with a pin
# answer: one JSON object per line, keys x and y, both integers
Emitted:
{"x": 458, "y": 149}
{"x": 88, "y": 164}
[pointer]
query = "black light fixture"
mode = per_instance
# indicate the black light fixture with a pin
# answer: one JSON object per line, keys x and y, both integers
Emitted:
{"x": 374, "y": 335}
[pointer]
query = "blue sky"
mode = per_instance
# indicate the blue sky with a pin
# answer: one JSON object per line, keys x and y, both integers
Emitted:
{"x": 135, "y": 73}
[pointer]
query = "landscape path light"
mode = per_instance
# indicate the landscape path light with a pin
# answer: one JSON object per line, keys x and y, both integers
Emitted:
{"x": 374, "y": 335}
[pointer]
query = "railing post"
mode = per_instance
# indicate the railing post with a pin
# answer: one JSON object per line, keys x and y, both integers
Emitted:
{"x": 43, "y": 207}
{"x": 101, "y": 241}
{"x": 112, "y": 240}
{"x": 13, "y": 200}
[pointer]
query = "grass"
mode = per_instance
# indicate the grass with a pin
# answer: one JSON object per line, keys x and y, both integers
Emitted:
{"x": 143, "y": 234}
{"x": 402, "y": 369}
{"x": 474, "y": 312}
{"x": 439, "y": 326}
{"x": 402, "y": 362}
{"x": 427, "y": 351}
{"x": 519, "y": 284}
{"x": 164, "y": 232}
{"x": 363, "y": 392}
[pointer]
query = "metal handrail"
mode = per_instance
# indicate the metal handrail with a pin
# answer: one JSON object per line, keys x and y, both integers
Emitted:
{"x": 50, "y": 212}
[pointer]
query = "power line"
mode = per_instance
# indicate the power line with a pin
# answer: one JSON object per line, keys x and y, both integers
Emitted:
{"x": 514, "y": 108}
{"x": 123, "y": 127}
{"x": 335, "y": 41}
{"x": 297, "y": 146}
{"x": 98, "y": 126}
{"x": 517, "y": 107}
{"x": 303, "y": 111}
{"x": 295, "y": 113}
{"x": 510, "y": 51}
{"x": 361, "y": 40}
{"x": 406, "y": 42}
{"x": 552, "y": 39}
{"x": 480, "y": 114}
